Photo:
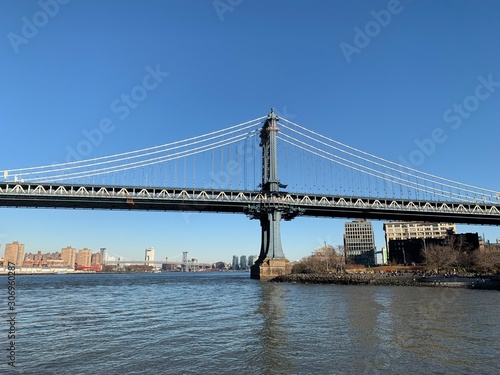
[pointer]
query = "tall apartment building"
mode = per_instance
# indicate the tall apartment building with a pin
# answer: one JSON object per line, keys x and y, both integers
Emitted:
{"x": 149, "y": 256}
{"x": 235, "y": 265}
{"x": 359, "y": 242}
{"x": 243, "y": 262}
{"x": 406, "y": 230}
{"x": 68, "y": 255}
{"x": 104, "y": 256}
{"x": 14, "y": 253}
{"x": 251, "y": 260}
{"x": 96, "y": 259}
{"x": 83, "y": 258}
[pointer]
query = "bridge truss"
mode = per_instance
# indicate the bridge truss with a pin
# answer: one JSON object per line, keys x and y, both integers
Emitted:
{"x": 234, "y": 201}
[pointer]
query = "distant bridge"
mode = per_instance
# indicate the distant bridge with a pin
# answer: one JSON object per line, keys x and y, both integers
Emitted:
{"x": 155, "y": 262}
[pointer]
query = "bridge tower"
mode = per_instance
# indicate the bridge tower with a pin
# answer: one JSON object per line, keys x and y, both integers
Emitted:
{"x": 271, "y": 261}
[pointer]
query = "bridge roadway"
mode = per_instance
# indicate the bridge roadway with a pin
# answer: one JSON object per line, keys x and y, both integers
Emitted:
{"x": 50, "y": 195}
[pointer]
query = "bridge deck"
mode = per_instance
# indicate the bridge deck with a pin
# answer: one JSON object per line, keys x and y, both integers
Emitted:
{"x": 246, "y": 202}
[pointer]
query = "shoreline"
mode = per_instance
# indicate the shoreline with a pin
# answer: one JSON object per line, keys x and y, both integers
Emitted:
{"x": 482, "y": 283}
{"x": 52, "y": 273}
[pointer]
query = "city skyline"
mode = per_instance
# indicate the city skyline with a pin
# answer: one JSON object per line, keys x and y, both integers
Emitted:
{"x": 176, "y": 255}
{"x": 16, "y": 252}
{"x": 413, "y": 95}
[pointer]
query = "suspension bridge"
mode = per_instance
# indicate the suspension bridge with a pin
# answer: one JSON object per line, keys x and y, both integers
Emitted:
{"x": 235, "y": 170}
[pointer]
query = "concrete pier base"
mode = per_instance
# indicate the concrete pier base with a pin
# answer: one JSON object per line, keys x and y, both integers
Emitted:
{"x": 270, "y": 268}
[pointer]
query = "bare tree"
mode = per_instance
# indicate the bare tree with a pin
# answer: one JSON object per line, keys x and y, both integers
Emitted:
{"x": 487, "y": 260}
{"x": 341, "y": 257}
{"x": 465, "y": 251}
{"x": 438, "y": 257}
{"x": 328, "y": 258}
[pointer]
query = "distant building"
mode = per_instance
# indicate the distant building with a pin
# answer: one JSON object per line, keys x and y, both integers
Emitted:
{"x": 359, "y": 242}
{"x": 405, "y": 230}
{"x": 243, "y": 262}
{"x": 84, "y": 258}
{"x": 38, "y": 256}
{"x": 251, "y": 261}
{"x": 220, "y": 265}
{"x": 406, "y": 238}
{"x": 96, "y": 259}
{"x": 235, "y": 263}
{"x": 407, "y": 251}
{"x": 411, "y": 251}
{"x": 14, "y": 253}
{"x": 149, "y": 256}
{"x": 68, "y": 255}
{"x": 104, "y": 256}
{"x": 42, "y": 260}
{"x": 51, "y": 256}
{"x": 169, "y": 267}
{"x": 385, "y": 254}
{"x": 54, "y": 263}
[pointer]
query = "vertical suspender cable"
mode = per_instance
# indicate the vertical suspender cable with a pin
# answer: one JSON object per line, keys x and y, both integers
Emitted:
{"x": 245, "y": 146}
{"x": 229, "y": 173}
{"x": 203, "y": 170}
{"x": 185, "y": 172}
{"x": 213, "y": 175}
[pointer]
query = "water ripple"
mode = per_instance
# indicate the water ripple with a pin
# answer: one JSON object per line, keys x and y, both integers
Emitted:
{"x": 225, "y": 323}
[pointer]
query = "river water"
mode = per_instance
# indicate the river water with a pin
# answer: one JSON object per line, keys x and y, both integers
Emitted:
{"x": 225, "y": 323}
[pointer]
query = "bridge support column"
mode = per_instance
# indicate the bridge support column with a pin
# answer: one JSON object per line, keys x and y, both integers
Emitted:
{"x": 271, "y": 261}
{"x": 269, "y": 268}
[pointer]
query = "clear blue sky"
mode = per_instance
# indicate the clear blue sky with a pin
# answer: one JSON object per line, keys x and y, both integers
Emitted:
{"x": 231, "y": 63}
